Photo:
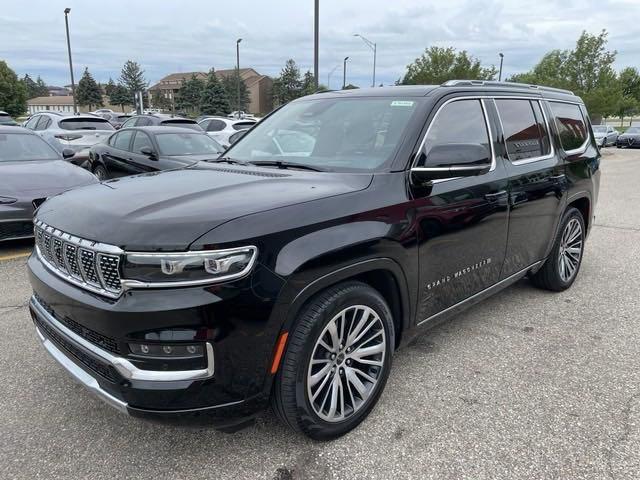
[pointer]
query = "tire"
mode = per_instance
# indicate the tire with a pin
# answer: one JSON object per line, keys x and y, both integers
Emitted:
{"x": 309, "y": 407}
{"x": 563, "y": 265}
{"x": 101, "y": 173}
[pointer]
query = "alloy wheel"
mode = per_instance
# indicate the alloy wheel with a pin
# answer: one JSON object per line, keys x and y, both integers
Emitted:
{"x": 570, "y": 250}
{"x": 346, "y": 363}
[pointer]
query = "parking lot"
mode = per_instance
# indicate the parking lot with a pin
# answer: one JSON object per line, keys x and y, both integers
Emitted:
{"x": 528, "y": 384}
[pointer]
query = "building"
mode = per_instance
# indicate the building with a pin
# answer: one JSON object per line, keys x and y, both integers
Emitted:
{"x": 62, "y": 104}
{"x": 259, "y": 87}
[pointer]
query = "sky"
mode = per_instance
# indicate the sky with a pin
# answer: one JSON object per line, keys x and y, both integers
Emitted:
{"x": 195, "y": 35}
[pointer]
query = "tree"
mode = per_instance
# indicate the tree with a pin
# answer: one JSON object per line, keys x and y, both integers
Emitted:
{"x": 110, "y": 87}
{"x": 159, "y": 100}
{"x": 13, "y": 93}
{"x": 30, "y": 85}
{"x": 88, "y": 92}
{"x": 214, "y": 99}
{"x": 288, "y": 85}
{"x": 190, "y": 93}
{"x": 630, "y": 82}
{"x": 437, "y": 65}
{"x": 132, "y": 78}
{"x": 230, "y": 84}
{"x": 120, "y": 96}
{"x": 626, "y": 106}
{"x": 41, "y": 88}
{"x": 308, "y": 84}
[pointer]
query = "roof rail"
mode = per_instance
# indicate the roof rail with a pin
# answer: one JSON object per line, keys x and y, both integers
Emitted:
{"x": 494, "y": 83}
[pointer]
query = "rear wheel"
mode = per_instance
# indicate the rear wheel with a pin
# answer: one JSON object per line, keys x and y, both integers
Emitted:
{"x": 562, "y": 267}
{"x": 336, "y": 363}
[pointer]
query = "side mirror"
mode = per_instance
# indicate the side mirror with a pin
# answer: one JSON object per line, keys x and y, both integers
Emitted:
{"x": 451, "y": 160}
{"x": 68, "y": 153}
{"x": 148, "y": 151}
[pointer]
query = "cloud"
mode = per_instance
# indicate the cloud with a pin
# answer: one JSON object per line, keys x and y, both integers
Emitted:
{"x": 186, "y": 36}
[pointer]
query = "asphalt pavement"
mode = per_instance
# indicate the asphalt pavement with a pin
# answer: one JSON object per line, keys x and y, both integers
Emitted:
{"x": 526, "y": 385}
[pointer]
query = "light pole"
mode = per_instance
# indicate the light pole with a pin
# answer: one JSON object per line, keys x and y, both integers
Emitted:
{"x": 501, "y": 59}
{"x": 316, "y": 41}
{"x": 373, "y": 47}
{"x": 238, "y": 77}
{"x": 73, "y": 83}
{"x": 329, "y": 76}
{"x": 344, "y": 72}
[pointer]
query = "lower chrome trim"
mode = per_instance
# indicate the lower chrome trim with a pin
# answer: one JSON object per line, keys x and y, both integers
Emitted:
{"x": 123, "y": 366}
{"x": 81, "y": 376}
{"x": 502, "y": 283}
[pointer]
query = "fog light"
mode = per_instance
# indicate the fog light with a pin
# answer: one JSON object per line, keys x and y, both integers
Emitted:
{"x": 184, "y": 350}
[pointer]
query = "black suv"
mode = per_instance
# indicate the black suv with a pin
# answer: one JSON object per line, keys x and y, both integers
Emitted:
{"x": 291, "y": 269}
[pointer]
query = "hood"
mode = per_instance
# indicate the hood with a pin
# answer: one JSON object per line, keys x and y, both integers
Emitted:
{"x": 41, "y": 178}
{"x": 189, "y": 159}
{"x": 168, "y": 210}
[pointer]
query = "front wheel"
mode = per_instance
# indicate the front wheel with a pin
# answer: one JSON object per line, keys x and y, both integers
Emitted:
{"x": 336, "y": 363}
{"x": 101, "y": 173}
{"x": 562, "y": 267}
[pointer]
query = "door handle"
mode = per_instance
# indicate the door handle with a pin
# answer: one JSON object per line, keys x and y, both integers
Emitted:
{"x": 557, "y": 178}
{"x": 494, "y": 196}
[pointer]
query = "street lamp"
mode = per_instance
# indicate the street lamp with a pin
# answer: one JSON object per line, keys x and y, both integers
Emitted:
{"x": 501, "y": 59}
{"x": 73, "y": 83}
{"x": 344, "y": 72}
{"x": 238, "y": 77}
{"x": 329, "y": 76}
{"x": 373, "y": 47}
{"x": 316, "y": 42}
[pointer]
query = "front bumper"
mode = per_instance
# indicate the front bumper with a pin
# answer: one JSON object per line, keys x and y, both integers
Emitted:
{"x": 88, "y": 336}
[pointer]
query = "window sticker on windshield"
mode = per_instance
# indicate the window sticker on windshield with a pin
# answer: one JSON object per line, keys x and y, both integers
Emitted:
{"x": 402, "y": 103}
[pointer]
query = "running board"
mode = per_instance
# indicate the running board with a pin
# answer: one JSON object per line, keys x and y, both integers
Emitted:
{"x": 478, "y": 297}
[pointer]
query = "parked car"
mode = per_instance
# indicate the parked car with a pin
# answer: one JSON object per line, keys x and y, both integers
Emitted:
{"x": 149, "y": 149}
{"x": 76, "y": 132}
{"x": 221, "y": 128}
{"x": 116, "y": 119}
{"x": 157, "y": 119}
{"x": 5, "y": 119}
{"x": 292, "y": 279}
{"x": 239, "y": 115}
{"x": 30, "y": 171}
{"x": 630, "y": 138}
{"x": 102, "y": 111}
{"x": 605, "y": 135}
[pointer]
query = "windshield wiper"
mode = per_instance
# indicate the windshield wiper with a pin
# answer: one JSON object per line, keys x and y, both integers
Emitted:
{"x": 281, "y": 164}
{"x": 227, "y": 160}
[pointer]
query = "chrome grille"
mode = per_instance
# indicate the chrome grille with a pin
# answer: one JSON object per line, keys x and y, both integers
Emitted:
{"x": 91, "y": 265}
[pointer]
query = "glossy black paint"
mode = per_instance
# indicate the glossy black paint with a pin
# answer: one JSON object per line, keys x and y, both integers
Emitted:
{"x": 119, "y": 163}
{"x": 426, "y": 247}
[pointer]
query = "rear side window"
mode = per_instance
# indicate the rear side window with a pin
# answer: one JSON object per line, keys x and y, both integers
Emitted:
{"x": 216, "y": 125}
{"x": 121, "y": 140}
{"x": 43, "y": 123}
{"x": 31, "y": 124}
{"x": 458, "y": 122}
{"x": 525, "y": 132}
{"x": 571, "y": 125}
{"x": 85, "y": 124}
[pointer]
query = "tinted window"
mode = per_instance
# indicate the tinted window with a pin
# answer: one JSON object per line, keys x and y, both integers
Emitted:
{"x": 243, "y": 125}
{"x": 21, "y": 147}
{"x": 140, "y": 141}
{"x": 341, "y": 134}
{"x": 458, "y": 122}
{"x": 142, "y": 122}
{"x": 85, "y": 124}
{"x": 525, "y": 133}
{"x": 187, "y": 144}
{"x": 121, "y": 140}
{"x": 215, "y": 125}
{"x": 191, "y": 125}
{"x": 570, "y": 124}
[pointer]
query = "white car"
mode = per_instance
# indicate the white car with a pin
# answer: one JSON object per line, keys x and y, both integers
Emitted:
{"x": 221, "y": 128}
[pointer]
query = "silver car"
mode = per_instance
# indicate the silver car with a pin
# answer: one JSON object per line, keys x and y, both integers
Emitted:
{"x": 605, "y": 135}
{"x": 77, "y": 132}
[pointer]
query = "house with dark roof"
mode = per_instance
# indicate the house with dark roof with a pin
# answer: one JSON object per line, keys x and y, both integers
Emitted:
{"x": 259, "y": 87}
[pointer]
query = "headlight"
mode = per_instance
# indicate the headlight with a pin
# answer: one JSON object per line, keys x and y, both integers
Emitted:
{"x": 188, "y": 268}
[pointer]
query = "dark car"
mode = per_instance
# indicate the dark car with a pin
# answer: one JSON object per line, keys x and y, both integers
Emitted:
{"x": 30, "y": 171}
{"x": 335, "y": 230}
{"x": 629, "y": 139}
{"x": 5, "y": 119}
{"x": 149, "y": 149}
{"x": 116, "y": 119}
{"x": 159, "y": 119}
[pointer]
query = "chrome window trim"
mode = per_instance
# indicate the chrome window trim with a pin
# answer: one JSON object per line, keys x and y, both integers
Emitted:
{"x": 123, "y": 366}
{"x": 539, "y": 158}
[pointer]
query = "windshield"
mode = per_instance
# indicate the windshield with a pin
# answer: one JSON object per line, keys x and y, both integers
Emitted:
{"x": 187, "y": 144}
{"x": 341, "y": 134}
{"x": 633, "y": 130}
{"x": 23, "y": 147}
{"x": 599, "y": 129}
{"x": 86, "y": 124}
